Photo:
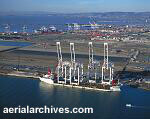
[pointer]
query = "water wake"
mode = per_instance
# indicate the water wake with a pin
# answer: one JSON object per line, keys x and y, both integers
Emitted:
{"x": 134, "y": 106}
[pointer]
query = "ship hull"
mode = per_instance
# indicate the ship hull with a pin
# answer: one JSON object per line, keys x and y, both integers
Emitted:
{"x": 47, "y": 80}
{"x": 115, "y": 88}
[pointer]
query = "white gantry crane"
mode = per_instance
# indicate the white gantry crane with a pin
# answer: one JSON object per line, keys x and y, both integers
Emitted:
{"x": 92, "y": 66}
{"x": 76, "y": 68}
{"x": 107, "y": 68}
{"x": 68, "y": 72}
{"x": 63, "y": 68}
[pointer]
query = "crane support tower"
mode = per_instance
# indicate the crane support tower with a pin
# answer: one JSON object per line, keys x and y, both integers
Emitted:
{"x": 90, "y": 55}
{"x": 106, "y": 55}
{"x": 72, "y": 51}
{"x": 93, "y": 66}
{"x": 59, "y": 54}
{"x": 59, "y": 66}
{"x": 107, "y": 68}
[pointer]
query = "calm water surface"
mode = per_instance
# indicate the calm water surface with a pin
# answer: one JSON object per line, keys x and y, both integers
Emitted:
{"x": 13, "y": 43}
{"x": 35, "y": 22}
{"x": 107, "y": 105}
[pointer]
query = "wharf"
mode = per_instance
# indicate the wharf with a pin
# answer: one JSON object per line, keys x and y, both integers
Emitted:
{"x": 23, "y": 74}
{"x": 36, "y": 77}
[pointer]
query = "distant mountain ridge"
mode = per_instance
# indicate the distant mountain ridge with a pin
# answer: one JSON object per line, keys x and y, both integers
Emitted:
{"x": 83, "y": 14}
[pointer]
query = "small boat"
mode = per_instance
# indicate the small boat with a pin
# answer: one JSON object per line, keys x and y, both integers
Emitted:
{"x": 48, "y": 78}
{"x": 128, "y": 105}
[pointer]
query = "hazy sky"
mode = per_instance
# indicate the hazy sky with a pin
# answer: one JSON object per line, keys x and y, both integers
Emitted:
{"x": 75, "y": 5}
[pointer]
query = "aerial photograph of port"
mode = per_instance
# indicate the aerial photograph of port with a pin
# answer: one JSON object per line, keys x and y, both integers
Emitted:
{"x": 75, "y": 59}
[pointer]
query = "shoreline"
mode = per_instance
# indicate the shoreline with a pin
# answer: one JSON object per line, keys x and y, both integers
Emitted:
{"x": 33, "y": 77}
{"x": 20, "y": 74}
